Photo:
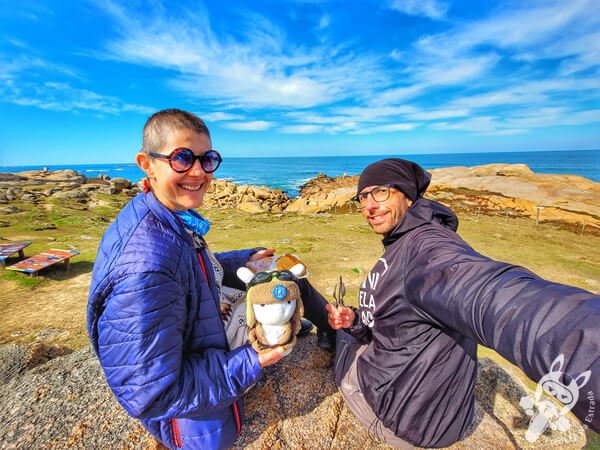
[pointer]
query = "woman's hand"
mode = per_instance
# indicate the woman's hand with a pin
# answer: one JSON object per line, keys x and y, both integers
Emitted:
{"x": 340, "y": 317}
{"x": 270, "y": 357}
{"x": 261, "y": 254}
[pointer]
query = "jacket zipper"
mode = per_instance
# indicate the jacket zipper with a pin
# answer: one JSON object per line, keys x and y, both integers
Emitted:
{"x": 176, "y": 435}
{"x": 203, "y": 267}
{"x": 236, "y": 412}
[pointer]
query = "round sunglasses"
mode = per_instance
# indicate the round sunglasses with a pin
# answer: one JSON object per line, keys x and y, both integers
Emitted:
{"x": 182, "y": 159}
{"x": 265, "y": 277}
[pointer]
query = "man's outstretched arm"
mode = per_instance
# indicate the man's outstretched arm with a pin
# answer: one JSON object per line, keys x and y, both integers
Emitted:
{"x": 528, "y": 320}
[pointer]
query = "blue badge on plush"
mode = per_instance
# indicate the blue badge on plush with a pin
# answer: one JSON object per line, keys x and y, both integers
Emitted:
{"x": 279, "y": 292}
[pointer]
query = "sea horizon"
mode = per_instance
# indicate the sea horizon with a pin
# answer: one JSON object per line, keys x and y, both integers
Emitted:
{"x": 288, "y": 173}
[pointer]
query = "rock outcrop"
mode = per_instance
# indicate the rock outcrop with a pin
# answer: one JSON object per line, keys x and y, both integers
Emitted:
{"x": 489, "y": 189}
{"x": 38, "y": 185}
{"x": 324, "y": 193}
{"x": 66, "y": 403}
{"x": 511, "y": 189}
{"x": 251, "y": 199}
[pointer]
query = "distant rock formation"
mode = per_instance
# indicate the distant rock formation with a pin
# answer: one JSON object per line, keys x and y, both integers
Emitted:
{"x": 324, "y": 193}
{"x": 511, "y": 189}
{"x": 251, "y": 199}
{"x": 66, "y": 403}
{"x": 38, "y": 185}
{"x": 489, "y": 189}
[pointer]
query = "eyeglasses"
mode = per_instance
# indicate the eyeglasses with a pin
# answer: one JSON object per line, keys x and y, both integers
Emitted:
{"x": 265, "y": 277}
{"x": 182, "y": 159}
{"x": 380, "y": 194}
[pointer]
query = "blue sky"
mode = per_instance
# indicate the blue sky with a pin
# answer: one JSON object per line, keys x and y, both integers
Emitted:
{"x": 78, "y": 79}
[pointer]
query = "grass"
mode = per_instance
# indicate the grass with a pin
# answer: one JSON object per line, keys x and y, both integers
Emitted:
{"x": 330, "y": 244}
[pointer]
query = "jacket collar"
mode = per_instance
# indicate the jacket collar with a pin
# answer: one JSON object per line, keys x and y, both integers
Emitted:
{"x": 164, "y": 214}
{"x": 422, "y": 212}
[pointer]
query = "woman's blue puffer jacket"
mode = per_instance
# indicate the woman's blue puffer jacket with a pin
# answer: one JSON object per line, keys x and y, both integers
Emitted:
{"x": 154, "y": 322}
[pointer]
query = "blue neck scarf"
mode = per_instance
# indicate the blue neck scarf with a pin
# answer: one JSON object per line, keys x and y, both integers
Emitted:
{"x": 194, "y": 221}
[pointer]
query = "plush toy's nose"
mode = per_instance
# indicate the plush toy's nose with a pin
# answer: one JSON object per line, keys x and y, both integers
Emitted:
{"x": 279, "y": 292}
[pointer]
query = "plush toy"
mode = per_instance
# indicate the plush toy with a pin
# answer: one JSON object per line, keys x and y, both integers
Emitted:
{"x": 273, "y": 307}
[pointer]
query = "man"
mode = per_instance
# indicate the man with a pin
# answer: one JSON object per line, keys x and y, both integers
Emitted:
{"x": 407, "y": 359}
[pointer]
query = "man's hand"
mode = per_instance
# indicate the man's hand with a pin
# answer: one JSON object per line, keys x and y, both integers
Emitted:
{"x": 270, "y": 357}
{"x": 262, "y": 254}
{"x": 340, "y": 317}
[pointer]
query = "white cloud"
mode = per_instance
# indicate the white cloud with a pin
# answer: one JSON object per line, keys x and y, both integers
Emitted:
{"x": 389, "y": 128}
{"x": 301, "y": 129}
{"x": 255, "y": 68}
{"x": 395, "y": 95}
{"x": 325, "y": 21}
{"x": 454, "y": 70}
{"x": 31, "y": 81}
{"x": 433, "y": 9}
{"x": 63, "y": 97}
{"x": 218, "y": 116}
{"x": 375, "y": 113}
{"x": 480, "y": 124}
{"x": 397, "y": 55}
{"x": 505, "y": 132}
{"x": 255, "y": 125}
{"x": 437, "y": 114}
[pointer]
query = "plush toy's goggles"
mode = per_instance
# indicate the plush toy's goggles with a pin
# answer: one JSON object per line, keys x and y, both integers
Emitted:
{"x": 265, "y": 277}
{"x": 182, "y": 159}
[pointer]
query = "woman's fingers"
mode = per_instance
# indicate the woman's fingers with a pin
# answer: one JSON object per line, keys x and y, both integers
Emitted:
{"x": 262, "y": 254}
{"x": 270, "y": 357}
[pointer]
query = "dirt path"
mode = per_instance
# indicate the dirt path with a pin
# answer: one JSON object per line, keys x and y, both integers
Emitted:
{"x": 53, "y": 312}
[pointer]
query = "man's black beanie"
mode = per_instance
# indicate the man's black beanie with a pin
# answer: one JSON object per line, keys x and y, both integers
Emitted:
{"x": 406, "y": 176}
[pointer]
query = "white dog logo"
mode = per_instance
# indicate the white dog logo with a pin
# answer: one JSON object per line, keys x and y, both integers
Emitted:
{"x": 547, "y": 414}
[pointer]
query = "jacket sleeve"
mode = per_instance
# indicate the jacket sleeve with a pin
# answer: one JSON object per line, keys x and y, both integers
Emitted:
{"x": 358, "y": 329}
{"x": 231, "y": 262}
{"x": 142, "y": 353}
{"x": 528, "y": 320}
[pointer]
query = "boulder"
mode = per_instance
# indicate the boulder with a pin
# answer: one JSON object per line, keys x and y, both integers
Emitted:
{"x": 252, "y": 207}
{"x": 120, "y": 183}
{"x": 74, "y": 193}
{"x": 65, "y": 402}
{"x": 28, "y": 197}
{"x": 9, "y": 210}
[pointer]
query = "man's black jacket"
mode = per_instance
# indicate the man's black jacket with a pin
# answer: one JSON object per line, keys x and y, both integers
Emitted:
{"x": 427, "y": 303}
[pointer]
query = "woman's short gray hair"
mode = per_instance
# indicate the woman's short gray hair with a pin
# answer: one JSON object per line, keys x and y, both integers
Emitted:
{"x": 161, "y": 123}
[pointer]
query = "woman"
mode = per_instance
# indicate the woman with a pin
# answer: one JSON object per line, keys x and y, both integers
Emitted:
{"x": 154, "y": 310}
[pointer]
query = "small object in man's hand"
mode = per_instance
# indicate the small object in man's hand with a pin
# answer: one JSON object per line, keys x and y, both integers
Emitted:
{"x": 339, "y": 291}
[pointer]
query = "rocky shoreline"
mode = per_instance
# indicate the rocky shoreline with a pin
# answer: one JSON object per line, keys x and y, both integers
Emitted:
{"x": 507, "y": 189}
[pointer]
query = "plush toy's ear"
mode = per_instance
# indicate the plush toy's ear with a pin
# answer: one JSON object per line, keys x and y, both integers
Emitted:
{"x": 245, "y": 274}
{"x": 250, "y": 320}
{"x": 298, "y": 269}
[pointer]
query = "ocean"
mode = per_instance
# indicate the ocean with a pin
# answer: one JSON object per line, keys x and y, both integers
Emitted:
{"x": 289, "y": 173}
